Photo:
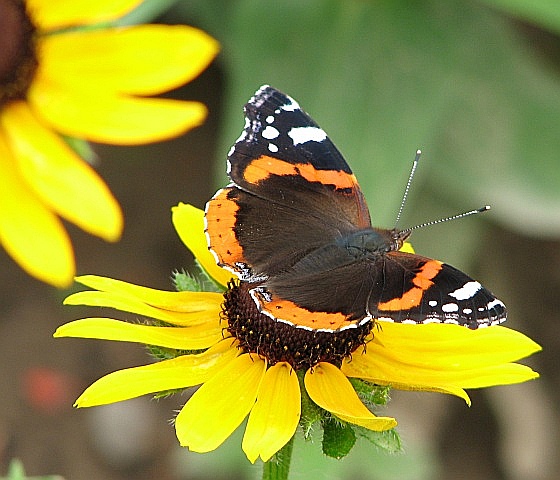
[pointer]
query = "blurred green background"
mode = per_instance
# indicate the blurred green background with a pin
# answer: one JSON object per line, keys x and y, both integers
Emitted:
{"x": 475, "y": 85}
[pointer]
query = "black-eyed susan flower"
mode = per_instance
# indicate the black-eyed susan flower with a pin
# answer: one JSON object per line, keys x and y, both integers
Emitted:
{"x": 64, "y": 74}
{"x": 247, "y": 365}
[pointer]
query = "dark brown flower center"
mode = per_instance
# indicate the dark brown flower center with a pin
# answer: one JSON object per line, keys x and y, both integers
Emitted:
{"x": 17, "y": 51}
{"x": 282, "y": 342}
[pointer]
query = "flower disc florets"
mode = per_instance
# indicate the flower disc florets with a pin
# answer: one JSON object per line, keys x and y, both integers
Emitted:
{"x": 283, "y": 342}
{"x": 17, "y": 51}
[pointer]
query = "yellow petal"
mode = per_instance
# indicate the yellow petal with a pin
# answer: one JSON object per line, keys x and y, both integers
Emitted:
{"x": 105, "y": 117}
{"x": 189, "y": 338}
{"x": 166, "y": 300}
{"x": 453, "y": 346}
{"x": 58, "y": 176}
{"x": 189, "y": 223}
{"x": 439, "y": 357}
{"x": 125, "y": 303}
{"x": 329, "y": 388}
{"x": 141, "y": 60}
{"x": 275, "y": 417}
{"x": 219, "y": 406}
{"x": 407, "y": 248}
{"x": 181, "y": 372}
{"x": 505, "y": 374}
{"x": 383, "y": 371}
{"x": 447, "y": 389}
{"x": 56, "y": 14}
{"x": 29, "y": 231}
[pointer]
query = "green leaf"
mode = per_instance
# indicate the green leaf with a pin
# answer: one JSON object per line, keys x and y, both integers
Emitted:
{"x": 388, "y": 441}
{"x": 17, "y": 472}
{"x": 338, "y": 438}
{"x": 544, "y": 12}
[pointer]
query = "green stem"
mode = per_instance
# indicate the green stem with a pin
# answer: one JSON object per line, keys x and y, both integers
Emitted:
{"x": 278, "y": 467}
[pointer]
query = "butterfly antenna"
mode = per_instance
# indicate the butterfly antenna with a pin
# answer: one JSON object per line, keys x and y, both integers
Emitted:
{"x": 408, "y": 183}
{"x": 447, "y": 219}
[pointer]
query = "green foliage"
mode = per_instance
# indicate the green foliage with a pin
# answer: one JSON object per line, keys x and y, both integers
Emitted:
{"x": 457, "y": 79}
{"x": 185, "y": 282}
{"x": 311, "y": 414}
{"x": 17, "y": 472}
{"x": 338, "y": 438}
{"x": 388, "y": 441}
{"x": 82, "y": 148}
{"x": 543, "y": 13}
{"x": 369, "y": 393}
{"x": 199, "y": 281}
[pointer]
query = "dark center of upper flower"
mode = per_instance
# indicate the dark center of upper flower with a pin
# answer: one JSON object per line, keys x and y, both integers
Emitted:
{"x": 282, "y": 342}
{"x": 17, "y": 51}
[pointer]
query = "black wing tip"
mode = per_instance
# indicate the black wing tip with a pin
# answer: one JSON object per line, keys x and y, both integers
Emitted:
{"x": 272, "y": 96}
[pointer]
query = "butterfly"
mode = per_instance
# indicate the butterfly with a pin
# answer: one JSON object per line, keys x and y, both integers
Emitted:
{"x": 294, "y": 224}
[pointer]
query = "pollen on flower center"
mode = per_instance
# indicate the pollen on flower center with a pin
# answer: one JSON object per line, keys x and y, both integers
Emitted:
{"x": 17, "y": 51}
{"x": 282, "y": 342}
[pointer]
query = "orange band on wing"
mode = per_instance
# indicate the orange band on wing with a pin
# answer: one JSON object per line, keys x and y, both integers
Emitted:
{"x": 290, "y": 312}
{"x": 220, "y": 222}
{"x": 263, "y": 167}
{"x": 412, "y": 298}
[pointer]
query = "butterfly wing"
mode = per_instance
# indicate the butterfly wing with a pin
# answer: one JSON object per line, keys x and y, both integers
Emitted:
{"x": 417, "y": 289}
{"x": 291, "y": 192}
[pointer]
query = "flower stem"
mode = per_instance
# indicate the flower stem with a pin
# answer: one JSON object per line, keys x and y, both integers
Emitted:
{"x": 278, "y": 467}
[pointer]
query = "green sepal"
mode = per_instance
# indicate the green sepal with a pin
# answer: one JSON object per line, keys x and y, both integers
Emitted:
{"x": 311, "y": 413}
{"x": 370, "y": 393}
{"x": 82, "y": 148}
{"x": 164, "y": 353}
{"x": 195, "y": 282}
{"x": 186, "y": 282}
{"x": 167, "y": 393}
{"x": 338, "y": 438}
{"x": 389, "y": 440}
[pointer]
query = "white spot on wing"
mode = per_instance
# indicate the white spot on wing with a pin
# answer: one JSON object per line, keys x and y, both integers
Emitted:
{"x": 468, "y": 290}
{"x": 495, "y": 303}
{"x": 432, "y": 303}
{"x": 270, "y": 133}
{"x": 450, "y": 307}
{"x": 270, "y": 119}
{"x": 272, "y": 148}
{"x": 306, "y": 134}
{"x": 432, "y": 320}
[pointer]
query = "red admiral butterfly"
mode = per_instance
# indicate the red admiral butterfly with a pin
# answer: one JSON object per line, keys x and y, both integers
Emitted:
{"x": 295, "y": 225}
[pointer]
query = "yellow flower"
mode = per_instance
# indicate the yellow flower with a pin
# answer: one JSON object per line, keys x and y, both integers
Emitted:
{"x": 89, "y": 83}
{"x": 236, "y": 382}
